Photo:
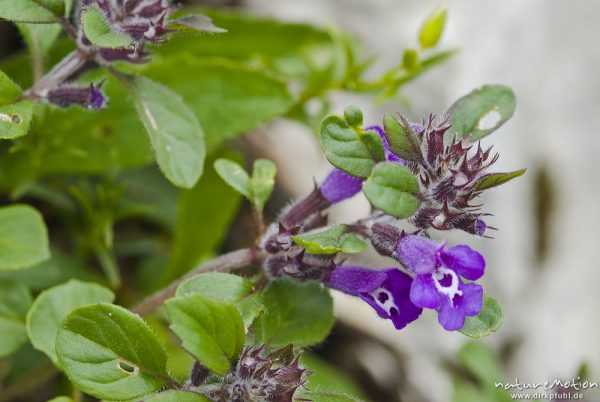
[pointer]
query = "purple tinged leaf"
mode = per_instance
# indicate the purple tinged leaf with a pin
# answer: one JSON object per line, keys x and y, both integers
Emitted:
{"x": 496, "y": 179}
{"x": 195, "y": 23}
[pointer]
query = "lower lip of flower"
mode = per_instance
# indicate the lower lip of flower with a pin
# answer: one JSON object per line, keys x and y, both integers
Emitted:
{"x": 440, "y": 277}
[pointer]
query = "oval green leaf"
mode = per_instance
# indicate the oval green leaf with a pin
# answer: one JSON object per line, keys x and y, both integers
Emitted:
{"x": 234, "y": 175}
{"x": 23, "y": 238}
{"x": 481, "y": 112}
{"x": 98, "y": 30}
{"x": 174, "y": 131}
{"x": 15, "y": 119}
{"x": 297, "y": 313}
{"x": 496, "y": 179}
{"x": 25, "y": 11}
{"x": 333, "y": 240}
{"x": 52, "y": 305}
{"x": 344, "y": 149}
{"x": 15, "y": 300}
{"x": 432, "y": 28}
{"x": 211, "y": 330}
{"x": 392, "y": 188}
{"x": 487, "y": 321}
{"x": 110, "y": 353}
{"x": 263, "y": 181}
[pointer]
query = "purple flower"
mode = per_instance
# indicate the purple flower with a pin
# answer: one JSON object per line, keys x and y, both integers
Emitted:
{"x": 438, "y": 283}
{"x": 387, "y": 291}
{"x": 90, "y": 96}
{"x": 339, "y": 185}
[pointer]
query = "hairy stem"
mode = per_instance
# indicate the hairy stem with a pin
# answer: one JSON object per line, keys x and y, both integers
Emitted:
{"x": 227, "y": 262}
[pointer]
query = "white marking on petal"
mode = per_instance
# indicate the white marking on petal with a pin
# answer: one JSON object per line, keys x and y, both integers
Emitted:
{"x": 389, "y": 301}
{"x": 451, "y": 290}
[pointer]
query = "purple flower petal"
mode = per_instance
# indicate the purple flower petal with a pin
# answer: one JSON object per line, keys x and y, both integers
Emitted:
{"x": 392, "y": 301}
{"x": 418, "y": 253}
{"x": 467, "y": 262}
{"x": 423, "y": 292}
{"x": 452, "y": 313}
{"x": 339, "y": 185}
{"x": 356, "y": 280}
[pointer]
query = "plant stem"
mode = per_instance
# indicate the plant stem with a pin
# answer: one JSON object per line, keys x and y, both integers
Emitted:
{"x": 227, "y": 262}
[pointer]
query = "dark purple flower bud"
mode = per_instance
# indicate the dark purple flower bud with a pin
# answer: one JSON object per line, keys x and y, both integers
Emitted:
{"x": 339, "y": 185}
{"x": 262, "y": 376}
{"x": 89, "y": 97}
{"x": 385, "y": 238}
{"x": 387, "y": 291}
{"x": 438, "y": 284}
{"x": 199, "y": 374}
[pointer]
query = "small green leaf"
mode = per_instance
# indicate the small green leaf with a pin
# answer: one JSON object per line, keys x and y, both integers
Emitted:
{"x": 480, "y": 360}
{"x": 496, "y": 179}
{"x": 262, "y": 182}
{"x": 432, "y": 28}
{"x": 333, "y": 240}
{"x": 9, "y": 91}
{"x": 212, "y": 331}
{"x": 98, "y": 30}
{"x": 23, "y": 238}
{"x": 298, "y": 313}
{"x": 176, "y": 396}
{"x": 480, "y": 112}
{"x": 353, "y": 116}
{"x": 393, "y": 188}
{"x": 15, "y": 300}
{"x": 194, "y": 23}
{"x": 374, "y": 144}
{"x": 15, "y": 119}
{"x": 344, "y": 149}
{"x": 52, "y": 305}
{"x": 110, "y": 353}
{"x": 487, "y": 321}
{"x": 402, "y": 139}
{"x": 217, "y": 285}
{"x": 174, "y": 131}
{"x": 234, "y": 175}
{"x": 61, "y": 399}
{"x": 227, "y": 287}
{"x": 25, "y": 11}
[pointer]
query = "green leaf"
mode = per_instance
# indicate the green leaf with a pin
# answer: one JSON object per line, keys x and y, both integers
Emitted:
{"x": 15, "y": 300}
{"x": 212, "y": 331}
{"x": 227, "y": 287}
{"x": 343, "y": 147}
{"x": 15, "y": 119}
{"x": 328, "y": 378}
{"x": 432, "y": 28}
{"x": 402, "y": 139}
{"x": 234, "y": 175}
{"x": 202, "y": 222}
{"x": 52, "y": 305}
{"x": 353, "y": 116}
{"x": 98, "y": 30}
{"x": 39, "y": 39}
{"x": 175, "y": 134}
{"x": 496, "y": 179}
{"x": 229, "y": 99}
{"x": 26, "y": 11}
{"x": 333, "y": 240}
{"x": 177, "y": 396}
{"x": 262, "y": 182}
{"x": 217, "y": 285}
{"x": 410, "y": 60}
{"x": 23, "y": 238}
{"x": 298, "y": 313}
{"x": 487, "y": 321}
{"x": 9, "y": 91}
{"x": 374, "y": 144}
{"x": 480, "y": 361}
{"x": 61, "y": 399}
{"x": 194, "y": 23}
{"x": 392, "y": 188}
{"x": 480, "y": 112}
{"x": 110, "y": 353}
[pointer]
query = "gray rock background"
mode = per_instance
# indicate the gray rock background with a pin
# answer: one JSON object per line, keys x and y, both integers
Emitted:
{"x": 548, "y": 52}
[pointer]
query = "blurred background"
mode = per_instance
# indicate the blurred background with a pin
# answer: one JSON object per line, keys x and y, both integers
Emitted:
{"x": 544, "y": 263}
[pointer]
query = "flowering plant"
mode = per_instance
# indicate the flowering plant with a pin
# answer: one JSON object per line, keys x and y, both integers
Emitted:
{"x": 77, "y": 157}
